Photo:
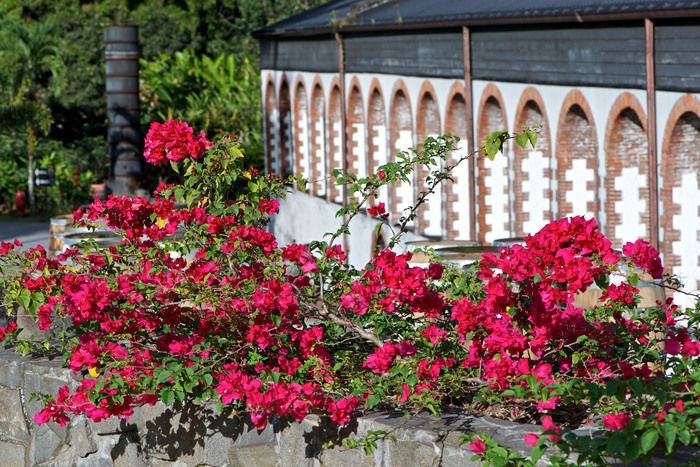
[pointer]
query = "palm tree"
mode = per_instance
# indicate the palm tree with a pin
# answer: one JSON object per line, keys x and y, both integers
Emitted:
{"x": 31, "y": 73}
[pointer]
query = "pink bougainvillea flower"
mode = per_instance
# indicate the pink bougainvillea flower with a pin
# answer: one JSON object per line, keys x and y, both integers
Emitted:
{"x": 531, "y": 439}
{"x": 173, "y": 141}
{"x": 645, "y": 257}
{"x": 269, "y": 206}
{"x": 617, "y": 421}
{"x": 477, "y": 446}
{"x": 377, "y": 210}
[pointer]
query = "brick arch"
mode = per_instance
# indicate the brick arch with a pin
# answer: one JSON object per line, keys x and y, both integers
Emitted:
{"x": 680, "y": 180}
{"x": 430, "y": 216}
{"x": 301, "y": 129}
{"x": 377, "y": 149}
{"x": 271, "y": 127}
{"x": 318, "y": 139}
{"x": 492, "y": 181}
{"x": 285, "y": 127}
{"x": 457, "y": 190}
{"x": 334, "y": 139}
{"x": 626, "y": 181}
{"x": 400, "y": 139}
{"x": 533, "y": 167}
{"x": 577, "y": 159}
{"x": 357, "y": 128}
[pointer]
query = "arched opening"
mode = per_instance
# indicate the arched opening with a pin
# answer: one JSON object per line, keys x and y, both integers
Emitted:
{"x": 335, "y": 152}
{"x": 285, "y": 116}
{"x": 492, "y": 181}
{"x": 272, "y": 163}
{"x": 318, "y": 142}
{"x": 377, "y": 139}
{"x": 626, "y": 182}
{"x": 357, "y": 149}
{"x": 577, "y": 165}
{"x": 401, "y": 139}
{"x": 430, "y": 215}
{"x": 533, "y": 170}
{"x": 457, "y": 190}
{"x": 301, "y": 132}
{"x": 680, "y": 194}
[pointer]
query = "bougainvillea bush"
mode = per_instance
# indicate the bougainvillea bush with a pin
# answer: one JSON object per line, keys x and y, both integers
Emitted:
{"x": 198, "y": 302}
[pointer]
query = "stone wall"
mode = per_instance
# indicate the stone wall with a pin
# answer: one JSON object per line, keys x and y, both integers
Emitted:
{"x": 192, "y": 435}
{"x": 201, "y": 436}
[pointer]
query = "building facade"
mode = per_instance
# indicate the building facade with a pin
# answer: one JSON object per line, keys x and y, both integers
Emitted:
{"x": 614, "y": 86}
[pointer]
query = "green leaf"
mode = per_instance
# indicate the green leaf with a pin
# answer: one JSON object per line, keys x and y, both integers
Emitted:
{"x": 372, "y": 401}
{"x": 521, "y": 139}
{"x": 633, "y": 279}
{"x": 532, "y": 136}
{"x": 167, "y": 396}
{"x": 649, "y": 439}
{"x": 669, "y": 432}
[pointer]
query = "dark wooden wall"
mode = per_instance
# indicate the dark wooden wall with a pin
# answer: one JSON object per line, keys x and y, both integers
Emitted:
{"x": 312, "y": 54}
{"x": 581, "y": 56}
{"x": 431, "y": 53}
{"x": 572, "y": 55}
{"x": 678, "y": 58}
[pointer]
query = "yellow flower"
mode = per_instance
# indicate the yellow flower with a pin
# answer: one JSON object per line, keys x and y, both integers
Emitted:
{"x": 93, "y": 371}
{"x": 247, "y": 174}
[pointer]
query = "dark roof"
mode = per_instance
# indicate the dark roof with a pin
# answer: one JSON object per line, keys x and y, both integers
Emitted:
{"x": 358, "y": 15}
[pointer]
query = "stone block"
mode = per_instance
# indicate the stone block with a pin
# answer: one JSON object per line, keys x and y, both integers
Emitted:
{"x": 12, "y": 454}
{"x": 11, "y": 369}
{"x": 44, "y": 444}
{"x": 13, "y": 425}
{"x": 253, "y": 456}
{"x": 401, "y": 454}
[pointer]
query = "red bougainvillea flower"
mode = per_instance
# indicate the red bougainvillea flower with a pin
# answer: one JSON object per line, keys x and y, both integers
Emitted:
{"x": 173, "y": 141}
{"x": 531, "y": 439}
{"x": 644, "y": 256}
{"x": 377, "y": 210}
{"x": 269, "y": 206}
{"x": 477, "y": 446}
{"x": 617, "y": 421}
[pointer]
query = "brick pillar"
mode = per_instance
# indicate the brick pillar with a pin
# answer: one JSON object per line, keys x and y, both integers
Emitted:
{"x": 533, "y": 169}
{"x": 493, "y": 184}
{"x": 430, "y": 218}
{"x": 627, "y": 203}
{"x": 318, "y": 142}
{"x": 272, "y": 162}
{"x": 377, "y": 138}
{"x": 333, "y": 143}
{"x": 285, "y": 131}
{"x": 301, "y": 132}
{"x": 577, "y": 161}
{"x": 457, "y": 191}
{"x": 680, "y": 195}
{"x": 400, "y": 139}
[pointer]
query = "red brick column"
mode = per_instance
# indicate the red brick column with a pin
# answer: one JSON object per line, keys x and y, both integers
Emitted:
{"x": 285, "y": 115}
{"x": 681, "y": 158}
{"x": 400, "y": 120}
{"x": 301, "y": 129}
{"x": 576, "y": 140}
{"x": 492, "y": 118}
{"x": 356, "y": 142}
{"x": 427, "y": 124}
{"x": 334, "y": 141}
{"x": 377, "y": 133}
{"x": 531, "y": 112}
{"x": 271, "y": 128}
{"x": 626, "y": 148}
{"x": 317, "y": 143}
{"x": 457, "y": 190}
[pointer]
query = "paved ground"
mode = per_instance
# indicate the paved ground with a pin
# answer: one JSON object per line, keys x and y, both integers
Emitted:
{"x": 30, "y": 233}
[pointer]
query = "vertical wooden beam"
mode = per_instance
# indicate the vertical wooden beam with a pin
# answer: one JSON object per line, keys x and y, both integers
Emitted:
{"x": 651, "y": 134}
{"x": 343, "y": 127}
{"x": 469, "y": 118}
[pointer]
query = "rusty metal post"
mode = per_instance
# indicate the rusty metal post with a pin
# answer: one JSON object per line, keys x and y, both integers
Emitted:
{"x": 651, "y": 134}
{"x": 469, "y": 118}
